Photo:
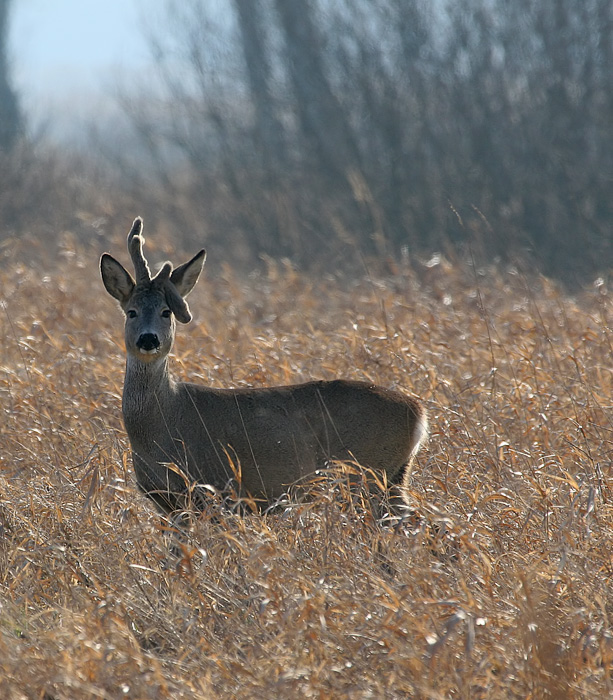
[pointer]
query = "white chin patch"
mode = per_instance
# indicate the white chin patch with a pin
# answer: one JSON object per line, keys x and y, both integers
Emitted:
{"x": 154, "y": 351}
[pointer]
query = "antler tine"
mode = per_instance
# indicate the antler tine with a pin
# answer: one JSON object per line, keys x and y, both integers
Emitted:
{"x": 135, "y": 248}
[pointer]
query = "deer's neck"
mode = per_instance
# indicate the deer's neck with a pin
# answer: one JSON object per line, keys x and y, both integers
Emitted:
{"x": 147, "y": 386}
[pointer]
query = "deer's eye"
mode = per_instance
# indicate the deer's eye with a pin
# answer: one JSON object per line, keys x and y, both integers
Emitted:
{"x": 166, "y": 313}
{"x": 130, "y": 313}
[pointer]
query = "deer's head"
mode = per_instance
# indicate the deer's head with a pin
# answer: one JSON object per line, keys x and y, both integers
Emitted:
{"x": 151, "y": 304}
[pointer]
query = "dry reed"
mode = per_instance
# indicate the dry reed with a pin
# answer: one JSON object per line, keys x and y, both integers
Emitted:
{"x": 498, "y": 587}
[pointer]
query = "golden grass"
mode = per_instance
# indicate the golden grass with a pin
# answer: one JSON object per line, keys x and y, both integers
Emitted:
{"x": 500, "y": 590}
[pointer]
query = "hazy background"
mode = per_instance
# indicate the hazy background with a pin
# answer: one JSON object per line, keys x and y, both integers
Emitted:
{"x": 65, "y": 56}
{"x": 328, "y": 132}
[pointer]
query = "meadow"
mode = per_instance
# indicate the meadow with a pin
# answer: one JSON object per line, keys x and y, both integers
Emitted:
{"x": 496, "y": 585}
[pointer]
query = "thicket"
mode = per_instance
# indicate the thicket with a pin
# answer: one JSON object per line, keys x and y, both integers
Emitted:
{"x": 329, "y": 131}
{"x": 307, "y": 128}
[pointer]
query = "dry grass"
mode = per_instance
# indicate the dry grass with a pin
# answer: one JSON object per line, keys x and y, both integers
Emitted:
{"x": 501, "y": 590}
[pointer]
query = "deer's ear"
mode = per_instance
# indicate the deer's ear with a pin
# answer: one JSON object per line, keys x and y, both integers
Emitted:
{"x": 185, "y": 276}
{"x": 177, "y": 303}
{"x": 117, "y": 280}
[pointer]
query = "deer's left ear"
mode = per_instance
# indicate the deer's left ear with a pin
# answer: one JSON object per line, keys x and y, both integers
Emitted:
{"x": 185, "y": 276}
{"x": 177, "y": 303}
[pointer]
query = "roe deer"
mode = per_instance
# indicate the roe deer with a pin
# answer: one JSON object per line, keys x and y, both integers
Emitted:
{"x": 185, "y": 434}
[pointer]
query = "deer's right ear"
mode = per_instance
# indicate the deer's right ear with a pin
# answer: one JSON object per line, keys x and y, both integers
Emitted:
{"x": 185, "y": 276}
{"x": 117, "y": 280}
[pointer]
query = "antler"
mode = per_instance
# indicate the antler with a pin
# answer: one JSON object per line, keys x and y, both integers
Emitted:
{"x": 162, "y": 280}
{"x": 175, "y": 301}
{"x": 135, "y": 248}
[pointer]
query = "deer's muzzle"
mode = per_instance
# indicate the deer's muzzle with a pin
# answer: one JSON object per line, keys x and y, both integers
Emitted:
{"x": 148, "y": 343}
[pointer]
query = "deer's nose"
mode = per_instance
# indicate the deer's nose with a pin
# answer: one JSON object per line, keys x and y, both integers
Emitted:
{"x": 148, "y": 342}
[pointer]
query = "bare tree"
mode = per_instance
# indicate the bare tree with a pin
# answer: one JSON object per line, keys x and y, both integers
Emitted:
{"x": 315, "y": 124}
{"x": 269, "y": 131}
{"x": 11, "y": 124}
{"x": 322, "y": 119}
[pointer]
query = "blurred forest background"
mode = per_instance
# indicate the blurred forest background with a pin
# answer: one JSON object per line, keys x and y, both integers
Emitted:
{"x": 335, "y": 131}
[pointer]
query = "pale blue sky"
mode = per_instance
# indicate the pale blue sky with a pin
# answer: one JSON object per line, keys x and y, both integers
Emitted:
{"x": 60, "y": 45}
{"x": 67, "y": 49}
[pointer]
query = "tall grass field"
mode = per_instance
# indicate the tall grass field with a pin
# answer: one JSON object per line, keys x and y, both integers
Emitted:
{"x": 497, "y": 583}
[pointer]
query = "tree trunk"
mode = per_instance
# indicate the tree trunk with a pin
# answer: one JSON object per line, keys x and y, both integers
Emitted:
{"x": 10, "y": 114}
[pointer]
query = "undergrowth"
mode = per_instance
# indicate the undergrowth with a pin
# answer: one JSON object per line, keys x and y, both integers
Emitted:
{"x": 497, "y": 586}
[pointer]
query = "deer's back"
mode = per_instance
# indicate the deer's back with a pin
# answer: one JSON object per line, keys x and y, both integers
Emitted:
{"x": 278, "y": 435}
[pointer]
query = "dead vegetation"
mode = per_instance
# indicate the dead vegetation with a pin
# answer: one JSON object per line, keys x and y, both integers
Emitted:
{"x": 499, "y": 588}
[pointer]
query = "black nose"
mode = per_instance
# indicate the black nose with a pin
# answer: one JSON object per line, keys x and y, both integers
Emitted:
{"x": 148, "y": 341}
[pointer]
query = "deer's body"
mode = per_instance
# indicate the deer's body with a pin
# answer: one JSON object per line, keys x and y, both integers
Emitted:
{"x": 183, "y": 433}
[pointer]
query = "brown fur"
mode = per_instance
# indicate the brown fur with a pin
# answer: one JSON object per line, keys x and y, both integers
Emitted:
{"x": 273, "y": 437}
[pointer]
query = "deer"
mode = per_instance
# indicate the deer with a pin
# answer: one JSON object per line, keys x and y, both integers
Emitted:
{"x": 259, "y": 441}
